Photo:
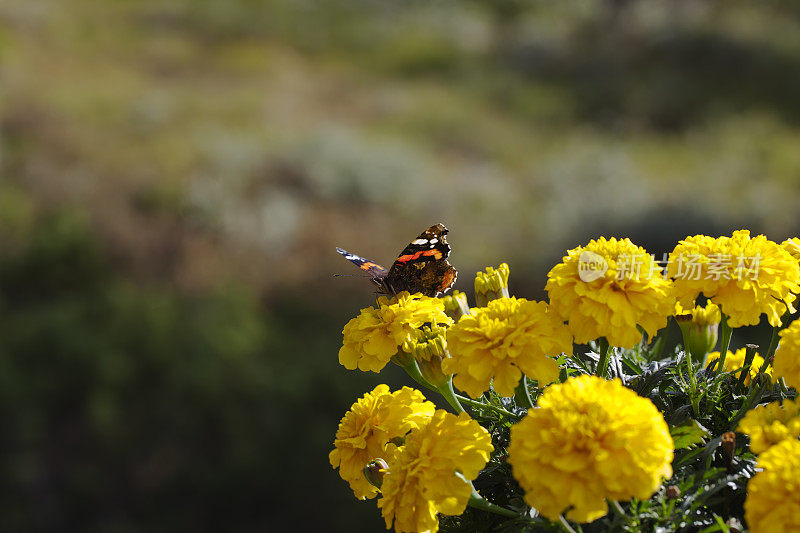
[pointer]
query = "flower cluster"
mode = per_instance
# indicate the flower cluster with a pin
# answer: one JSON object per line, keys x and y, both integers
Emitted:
{"x": 725, "y": 271}
{"x": 531, "y": 406}
{"x": 770, "y": 424}
{"x": 589, "y": 440}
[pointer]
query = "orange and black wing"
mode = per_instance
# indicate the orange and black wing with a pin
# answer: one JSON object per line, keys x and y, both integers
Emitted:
{"x": 422, "y": 266}
{"x": 372, "y": 268}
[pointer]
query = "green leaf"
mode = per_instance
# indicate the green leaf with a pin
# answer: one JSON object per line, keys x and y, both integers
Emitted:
{"x": 688, "y": 434}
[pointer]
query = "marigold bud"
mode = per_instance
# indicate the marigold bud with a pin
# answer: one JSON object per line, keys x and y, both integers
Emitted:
{"x": 429, "y": 347}
{"x": 700, "y": 328}
{"x": 491, "y": 284}
{"x": 792, "y": 246}
{"x": 455, "y": 305}
{"x": 672, "y": 492}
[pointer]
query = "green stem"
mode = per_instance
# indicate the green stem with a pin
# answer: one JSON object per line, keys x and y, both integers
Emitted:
{"x": 773, "y": 343}
{"x": 602, "y": 364}
{"x": 693, "y": 396}
{"x": 409, "y": 364}
{"x": 763, "y": 369}
{"x": 476, "y": 501}
{"x": 750, "y": 354}
{"x": 690, "y": 369}
{"x": 449, "y": 394}
{"x": 725, "y": 335}
{"x": 481, "y": 405}
{"x": 521, "y": 394}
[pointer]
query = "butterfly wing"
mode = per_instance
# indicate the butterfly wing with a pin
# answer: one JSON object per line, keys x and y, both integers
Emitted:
{"x": 422, "y": 266}
{"x": 375, "y": 270}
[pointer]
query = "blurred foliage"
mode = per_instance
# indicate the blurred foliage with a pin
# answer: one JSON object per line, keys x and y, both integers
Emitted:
{"x": 250, "y": 124}
{"x": 176, "y": 174}
{"x": 128, "y": 407}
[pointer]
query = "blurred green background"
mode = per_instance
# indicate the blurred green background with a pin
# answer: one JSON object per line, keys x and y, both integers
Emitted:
{"x": 174, "y": 176}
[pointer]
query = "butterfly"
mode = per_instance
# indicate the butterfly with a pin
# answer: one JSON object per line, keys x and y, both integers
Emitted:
{"x": 421, "y": 267}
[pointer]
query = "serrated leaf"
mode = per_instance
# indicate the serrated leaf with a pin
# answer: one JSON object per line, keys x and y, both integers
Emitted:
{"x": 688, "y": 434}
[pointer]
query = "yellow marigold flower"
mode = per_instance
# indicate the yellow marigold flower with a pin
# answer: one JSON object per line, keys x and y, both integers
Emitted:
{"x": 770, "y": 424}
{"x": 589, "y": 439}
{"x": 793, "y": 247}
{"x": 369, "y": 425}
{"x": 786, "y": 364}
{"x": 773, "y": 504}
{"x": 745, "y": 276}
{"x": 501, "y": 341}
{"x": 374, "y": 336}
{"x": 422, "y": 481}
{"x": 735, "y": 361}
{"x": 608, "y": 288}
